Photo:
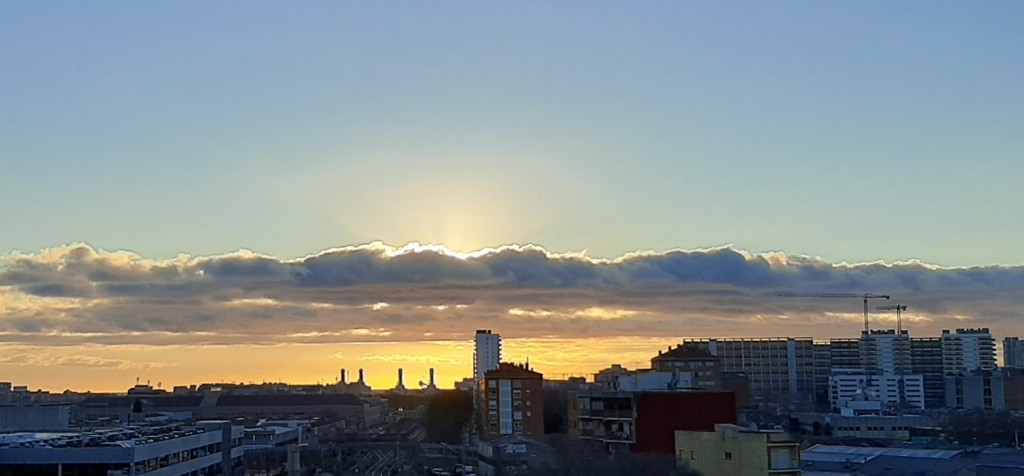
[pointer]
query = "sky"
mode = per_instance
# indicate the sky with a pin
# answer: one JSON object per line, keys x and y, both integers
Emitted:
{"x": 288, "y": 189}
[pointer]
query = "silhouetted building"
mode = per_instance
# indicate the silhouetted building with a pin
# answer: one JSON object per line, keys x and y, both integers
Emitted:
{"x": 822, "y": 370}
{"x": 1013, "y": 353}
{"x": 705, "y": 369}
{"x": 926, "y": 361}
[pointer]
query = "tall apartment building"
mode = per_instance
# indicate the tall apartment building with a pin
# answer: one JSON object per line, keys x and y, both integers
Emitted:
{"x": 513, "y": 402}
{"x": 778, "y": 368}
{"x": 878, "y": 351}
{"x": 926, "y": 361}
{"x": 822, "y": 370}
{"x": 845, "y": 354}
{"x": 486, "y": 357}
{"x": 1013, "y": 353}
{"x": 876, "y": 367}
{"x": 486, "y": 353}
{"x": 968, "y": 350}
{"x": 887, "y": 352}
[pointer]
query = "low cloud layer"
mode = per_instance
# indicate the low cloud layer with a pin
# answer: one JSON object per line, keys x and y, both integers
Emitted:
{"x": 76, "y": 294}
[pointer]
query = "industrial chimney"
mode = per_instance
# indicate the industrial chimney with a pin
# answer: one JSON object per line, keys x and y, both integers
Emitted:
{"x": 361, "y": 379}
{"x": 344, "y": 377}
{"x": 401, "y": 380}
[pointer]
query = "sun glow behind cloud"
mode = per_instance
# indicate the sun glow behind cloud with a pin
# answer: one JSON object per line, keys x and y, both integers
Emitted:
{"x": 420, "y": 299}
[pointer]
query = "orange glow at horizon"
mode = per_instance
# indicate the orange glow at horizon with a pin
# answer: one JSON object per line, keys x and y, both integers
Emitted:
{"x": 116, "y": 368}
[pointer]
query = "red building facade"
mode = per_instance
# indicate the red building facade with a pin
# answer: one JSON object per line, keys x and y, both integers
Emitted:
{"x": 646, "y": 422}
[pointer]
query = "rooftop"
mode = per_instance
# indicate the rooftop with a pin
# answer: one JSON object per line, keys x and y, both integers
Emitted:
{"x": 685, "y": 352}
{"x": 509, "y": 370}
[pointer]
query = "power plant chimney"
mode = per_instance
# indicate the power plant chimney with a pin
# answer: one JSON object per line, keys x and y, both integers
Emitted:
{"x": 344, "y": 377}
{"x": 361, "y": 379}
{"x": 432, "y": 378}
{"x": 401, "y": 380}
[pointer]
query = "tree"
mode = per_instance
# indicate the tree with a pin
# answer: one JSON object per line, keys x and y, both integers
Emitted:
{"x": 984, "y": 428}
{"x": 556, "y": 410}
{"x": 447, "y": 414}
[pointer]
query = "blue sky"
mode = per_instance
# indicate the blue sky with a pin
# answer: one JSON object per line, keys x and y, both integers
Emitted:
{"x": 850, "y": 131}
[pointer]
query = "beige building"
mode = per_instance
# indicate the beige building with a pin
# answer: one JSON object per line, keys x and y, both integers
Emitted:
{"x": 737, "y": 451}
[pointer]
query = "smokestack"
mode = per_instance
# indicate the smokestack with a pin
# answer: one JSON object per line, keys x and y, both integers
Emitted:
{"x": 361, "y": 380}
{"x": 432, "y": 377}
{"x": 400, "y": 380}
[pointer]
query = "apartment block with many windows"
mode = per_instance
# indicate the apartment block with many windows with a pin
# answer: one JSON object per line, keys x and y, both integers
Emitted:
{"x": 512, "y": 402}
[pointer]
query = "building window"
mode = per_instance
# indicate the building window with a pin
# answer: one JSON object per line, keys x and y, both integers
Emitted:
{"x": 728, "y": 456}
{"x": 517, "y": 384}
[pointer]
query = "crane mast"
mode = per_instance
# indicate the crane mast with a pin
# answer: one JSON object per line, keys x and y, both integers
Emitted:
{"x": 899, "y": 308}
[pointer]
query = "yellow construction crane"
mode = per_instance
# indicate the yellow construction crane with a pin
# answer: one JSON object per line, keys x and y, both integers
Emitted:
{"x": 899, "y": 308}
{"x": 864, "y": 296}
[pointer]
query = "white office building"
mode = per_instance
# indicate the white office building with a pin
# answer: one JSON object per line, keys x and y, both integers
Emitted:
{"x": 486, "y": 354}
{"x": 897, "y": 391}
{"x": 619, "y": 379}
{"x": 968, "y": 350}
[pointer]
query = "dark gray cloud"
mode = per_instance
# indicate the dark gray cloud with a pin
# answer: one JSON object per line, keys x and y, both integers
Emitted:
{"x": 375, "y": 292}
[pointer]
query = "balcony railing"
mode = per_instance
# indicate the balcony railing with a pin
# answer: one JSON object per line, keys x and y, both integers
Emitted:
{"x": 605, "y": 413}
{"x": 609, "y": 436}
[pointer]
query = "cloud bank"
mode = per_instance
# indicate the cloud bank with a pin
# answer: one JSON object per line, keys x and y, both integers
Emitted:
{"x": 76, "y": 294}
